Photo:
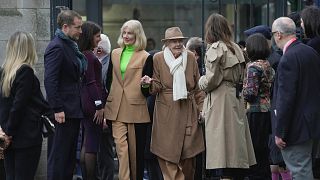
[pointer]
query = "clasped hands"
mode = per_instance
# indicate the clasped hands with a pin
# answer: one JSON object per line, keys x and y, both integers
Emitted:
{"x": 5, "y": 140}
{"x": 146, "y": 80}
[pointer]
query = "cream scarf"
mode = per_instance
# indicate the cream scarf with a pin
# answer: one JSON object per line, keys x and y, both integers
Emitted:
{"x": 177, "y": 68}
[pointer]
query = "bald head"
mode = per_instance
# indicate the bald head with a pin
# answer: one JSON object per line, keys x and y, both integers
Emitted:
{"x": 284, "y": 25}
{"x": 283, "y": 30}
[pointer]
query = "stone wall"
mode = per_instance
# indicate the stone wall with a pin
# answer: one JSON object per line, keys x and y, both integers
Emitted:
{"x": 26, "y": 15}
{"x": 31, "y": 16}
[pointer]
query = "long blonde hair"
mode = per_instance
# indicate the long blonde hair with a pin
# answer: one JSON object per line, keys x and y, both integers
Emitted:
{"x": 20, "y": 50}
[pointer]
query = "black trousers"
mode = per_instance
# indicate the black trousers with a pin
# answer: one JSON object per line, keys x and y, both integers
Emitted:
{"x": 2, "y": 170}
{"x": 22, "y": 163}
{"x": 260, "y": 129}
{"x": 151, "y": 163}
{"x": 62, "y": 150}
{"x": 141, "y": 132}
{"x": 105, "y": 156}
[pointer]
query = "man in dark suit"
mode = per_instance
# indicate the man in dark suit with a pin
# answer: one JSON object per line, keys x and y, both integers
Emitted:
{"x": 297, "y": 99}
{"x": 64, "y": 67}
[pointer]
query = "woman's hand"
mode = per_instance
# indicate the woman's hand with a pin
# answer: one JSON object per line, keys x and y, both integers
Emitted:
{"x": 98, "y": 116}
{"x": 146, "y": 80}
{"x": 5, "y": 140}
{"x": 201, "y": 117}
{"x": 280, "y": 143}
{"x": 105, "y": 125}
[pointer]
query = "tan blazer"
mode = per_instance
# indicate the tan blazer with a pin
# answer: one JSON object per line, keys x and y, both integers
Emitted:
{"x": 126, "y": 102}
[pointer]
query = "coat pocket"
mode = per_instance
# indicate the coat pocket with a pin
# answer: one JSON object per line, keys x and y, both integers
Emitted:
{"x": 313, "y": 124}
{"x": 137, "y": 101}
{"x": 110, "y": 98}
{"x": 162, "y": 112}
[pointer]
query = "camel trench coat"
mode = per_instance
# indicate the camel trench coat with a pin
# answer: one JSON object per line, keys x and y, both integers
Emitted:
{"x": 176, "y": 133}
{"x": 228, "y": 139}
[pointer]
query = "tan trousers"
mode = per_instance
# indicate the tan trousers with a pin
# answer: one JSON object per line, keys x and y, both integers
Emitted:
{"x": 183, "y": 171}
{"x": 124, "y": 138}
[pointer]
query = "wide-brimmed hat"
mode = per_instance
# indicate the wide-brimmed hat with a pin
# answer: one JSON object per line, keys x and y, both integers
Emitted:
{"x": 173, "y": 33}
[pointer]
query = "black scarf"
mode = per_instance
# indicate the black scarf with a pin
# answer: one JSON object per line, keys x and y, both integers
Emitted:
{"x": 83, "y": 63}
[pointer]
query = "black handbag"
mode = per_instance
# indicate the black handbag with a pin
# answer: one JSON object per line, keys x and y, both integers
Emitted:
{"x": 48, "y": 128}
{"x": 45, "y": 113}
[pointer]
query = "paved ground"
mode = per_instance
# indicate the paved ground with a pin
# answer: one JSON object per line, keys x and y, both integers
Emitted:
{"x": 42, "y": 167}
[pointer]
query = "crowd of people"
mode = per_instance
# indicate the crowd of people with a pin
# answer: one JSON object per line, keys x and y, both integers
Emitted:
{"x": 242, "y": 111}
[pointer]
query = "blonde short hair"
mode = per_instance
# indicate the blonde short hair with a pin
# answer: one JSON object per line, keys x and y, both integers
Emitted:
{"x": 136, "y": 27}
{"x": 20, "y": 50}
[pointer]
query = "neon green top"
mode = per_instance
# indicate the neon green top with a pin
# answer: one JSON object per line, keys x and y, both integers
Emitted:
{"x": 125, "y": 59}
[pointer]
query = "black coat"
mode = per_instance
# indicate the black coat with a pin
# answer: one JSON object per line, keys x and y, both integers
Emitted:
{"x": 297, "y": 95}
{"x": 315, "y": 43}
{"x": 62, "y": 78}
{"x": 20, "y": 112}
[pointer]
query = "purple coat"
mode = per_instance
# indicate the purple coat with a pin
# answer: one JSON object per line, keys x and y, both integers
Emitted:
{"x": 92, "y": 89}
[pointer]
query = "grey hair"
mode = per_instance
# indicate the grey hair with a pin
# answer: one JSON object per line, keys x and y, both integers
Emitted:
{"x": 193, "y": 43}
{"x": 284, "y": 25}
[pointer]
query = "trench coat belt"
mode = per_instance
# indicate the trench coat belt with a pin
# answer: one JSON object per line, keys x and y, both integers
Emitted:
{"x": 229, "y": 83}
{"x": 192, "y": 107}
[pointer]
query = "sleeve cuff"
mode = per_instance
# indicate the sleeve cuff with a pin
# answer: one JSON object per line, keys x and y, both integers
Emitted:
{"x": 57, "y": 110}
{"x": 145, "y": 85}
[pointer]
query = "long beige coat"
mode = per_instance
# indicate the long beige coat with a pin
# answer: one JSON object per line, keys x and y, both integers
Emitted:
{"x": 176, "y": 134}
{"x": 228, "y": 139}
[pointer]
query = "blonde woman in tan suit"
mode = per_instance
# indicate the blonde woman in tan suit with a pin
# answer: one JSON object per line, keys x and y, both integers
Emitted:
{"x": 126, "y": 105}
{"x": 176, "y": 134}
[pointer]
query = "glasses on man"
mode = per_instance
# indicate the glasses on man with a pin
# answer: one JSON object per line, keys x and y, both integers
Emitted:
{"x": 274, "y": 32}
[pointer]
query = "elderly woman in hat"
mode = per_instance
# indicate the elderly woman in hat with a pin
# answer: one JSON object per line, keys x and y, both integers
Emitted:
{"x": 176, "y": 134}
{"x": 126, "y": 105}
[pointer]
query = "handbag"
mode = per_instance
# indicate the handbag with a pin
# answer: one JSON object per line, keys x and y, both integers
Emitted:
{"x": 44, "y": 113}
{"x": 48, "y": 127}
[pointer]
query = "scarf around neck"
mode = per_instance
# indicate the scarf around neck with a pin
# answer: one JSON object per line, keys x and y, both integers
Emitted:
{"x": 82, "y": 60}
{"x": 177, "y": 68}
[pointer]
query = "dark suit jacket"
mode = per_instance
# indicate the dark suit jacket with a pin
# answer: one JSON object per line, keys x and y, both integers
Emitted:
{"x": 62, "y": 78}
{"x": 20, "y": 112}
{"x": 297, "y": 94}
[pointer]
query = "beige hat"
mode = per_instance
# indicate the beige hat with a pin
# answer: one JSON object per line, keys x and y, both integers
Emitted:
{"x": 173, "y": 33}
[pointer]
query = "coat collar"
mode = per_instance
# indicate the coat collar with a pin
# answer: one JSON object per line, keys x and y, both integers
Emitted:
{"x": 71, "y": 54}
{"x": 116, "y": 62}
{"x": 295, "y": 42}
